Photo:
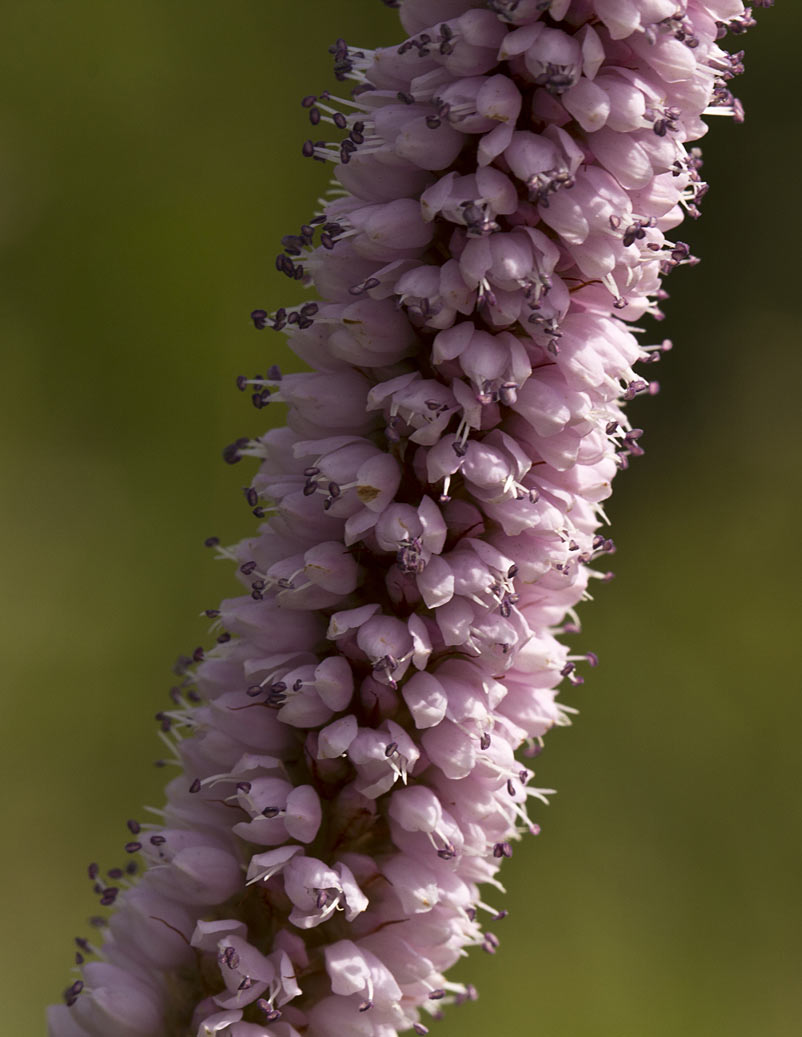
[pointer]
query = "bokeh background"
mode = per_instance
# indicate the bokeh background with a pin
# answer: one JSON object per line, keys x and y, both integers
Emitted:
{"x": 149, "y": 162}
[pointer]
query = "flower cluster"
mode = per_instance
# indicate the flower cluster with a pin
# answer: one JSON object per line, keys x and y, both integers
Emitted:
{"x": 504, "y": 204}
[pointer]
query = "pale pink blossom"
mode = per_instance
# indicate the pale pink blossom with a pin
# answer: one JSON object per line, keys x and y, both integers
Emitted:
{"x": 508, "y": 182}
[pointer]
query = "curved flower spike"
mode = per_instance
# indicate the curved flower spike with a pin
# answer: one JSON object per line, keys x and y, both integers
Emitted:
{"x": 507, "y": 186}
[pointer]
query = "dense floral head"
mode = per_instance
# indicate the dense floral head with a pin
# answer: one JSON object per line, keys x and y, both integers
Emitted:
{"x": 507, "y": 184}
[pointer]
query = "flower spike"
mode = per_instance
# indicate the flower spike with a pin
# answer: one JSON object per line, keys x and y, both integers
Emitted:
{"x": 508, "y": 184}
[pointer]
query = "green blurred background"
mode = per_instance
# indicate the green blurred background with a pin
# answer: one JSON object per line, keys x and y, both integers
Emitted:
{"x": 149, "y": 162}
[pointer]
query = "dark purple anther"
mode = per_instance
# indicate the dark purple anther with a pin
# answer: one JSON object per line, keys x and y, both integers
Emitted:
{"x": 165, "y": 721}
{"x": 271, "y": 1013}
{"x": 231, "y": 453}
{"x": 193, "y": 788}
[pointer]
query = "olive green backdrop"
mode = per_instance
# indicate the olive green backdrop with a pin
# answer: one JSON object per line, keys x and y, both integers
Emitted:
{"x": 149, "y": 162}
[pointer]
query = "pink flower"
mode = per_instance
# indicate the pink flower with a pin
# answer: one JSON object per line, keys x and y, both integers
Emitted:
{"x": 506, "y": 194}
